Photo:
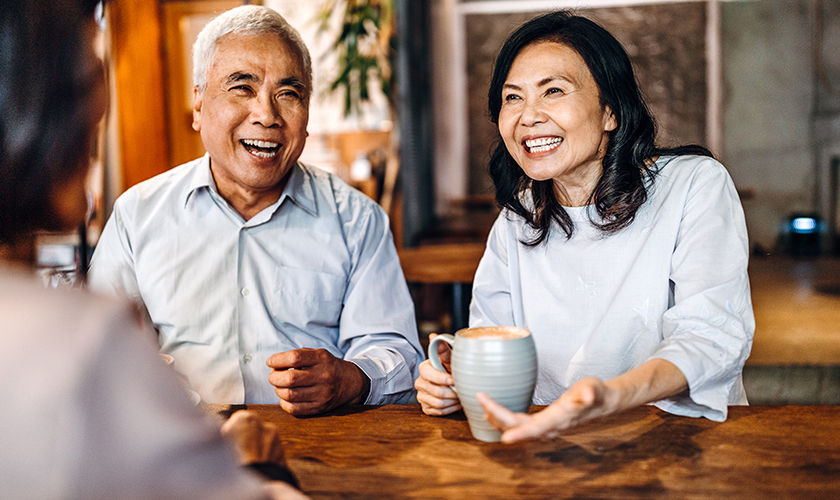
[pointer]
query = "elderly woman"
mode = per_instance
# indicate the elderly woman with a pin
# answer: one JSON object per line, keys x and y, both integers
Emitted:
{"x": 90, "y": 409}
{"x": 626, "y": 261}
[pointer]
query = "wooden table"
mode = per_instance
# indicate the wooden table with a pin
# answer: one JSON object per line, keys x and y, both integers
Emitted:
{"x": 452, "y": 264}
{"x": 396, "y": 451}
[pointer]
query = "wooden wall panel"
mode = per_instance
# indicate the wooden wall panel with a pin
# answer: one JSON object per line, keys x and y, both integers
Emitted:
{"x": 135, "y": 36}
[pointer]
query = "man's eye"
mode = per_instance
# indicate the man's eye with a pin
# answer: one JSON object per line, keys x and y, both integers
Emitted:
{"x": 241, "y": 89}
{"x": 289, "y": 94}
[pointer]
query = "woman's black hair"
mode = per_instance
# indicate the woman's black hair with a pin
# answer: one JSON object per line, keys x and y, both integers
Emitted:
{"x": 623, "y": 186}
{"x": 45, "y": 130}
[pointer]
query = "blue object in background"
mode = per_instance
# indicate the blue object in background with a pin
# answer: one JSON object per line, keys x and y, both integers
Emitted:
{"x": 804, "y": 235}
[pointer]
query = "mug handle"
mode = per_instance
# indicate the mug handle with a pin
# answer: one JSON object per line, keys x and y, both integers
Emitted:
{"x": 434, "y": 359}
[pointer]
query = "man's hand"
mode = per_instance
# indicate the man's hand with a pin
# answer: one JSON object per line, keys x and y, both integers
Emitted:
{"x": 253, "y": 439}
{"x": 310, "y": 381}
{"x": 434, "y": 391}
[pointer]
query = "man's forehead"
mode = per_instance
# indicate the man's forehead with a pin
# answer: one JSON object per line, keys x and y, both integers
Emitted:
{"x": 243, "y": 57}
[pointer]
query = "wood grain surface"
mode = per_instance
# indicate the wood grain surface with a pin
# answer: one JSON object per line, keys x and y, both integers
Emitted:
{"x": 396, "y": 452}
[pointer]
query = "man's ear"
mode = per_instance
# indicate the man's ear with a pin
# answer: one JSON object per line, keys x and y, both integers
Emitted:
{"x": 198, "y": 101}
{"x": 610, "y": 122}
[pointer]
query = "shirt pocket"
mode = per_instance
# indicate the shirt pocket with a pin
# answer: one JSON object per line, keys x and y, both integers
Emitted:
{"x": 306, "y": 297}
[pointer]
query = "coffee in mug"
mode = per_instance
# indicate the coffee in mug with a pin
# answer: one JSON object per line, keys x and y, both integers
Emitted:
{"x": 500, "y": 361}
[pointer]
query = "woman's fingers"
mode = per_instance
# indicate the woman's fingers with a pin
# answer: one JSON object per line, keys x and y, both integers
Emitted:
{"x": 497, "y": 415}
{"x": 434, "y": 393}
{"x": 433, "y": 375}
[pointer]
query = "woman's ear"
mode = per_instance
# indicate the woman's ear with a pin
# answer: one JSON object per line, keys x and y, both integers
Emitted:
{"x": 610, "y": 123}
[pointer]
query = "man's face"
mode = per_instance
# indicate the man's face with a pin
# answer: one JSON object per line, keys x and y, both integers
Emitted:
{"x": 253, "y": 113}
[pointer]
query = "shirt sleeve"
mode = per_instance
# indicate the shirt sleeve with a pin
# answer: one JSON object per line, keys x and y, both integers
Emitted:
{"x": 492, "y": 295}
{"x": 377, "y": 329}
{"x": 141, "y": 435}
{"x": 112, "y": 264}
{"x": 708, "y": 331}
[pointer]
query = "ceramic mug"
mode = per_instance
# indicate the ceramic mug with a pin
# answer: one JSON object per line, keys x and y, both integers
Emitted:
{"x": 500, "y": 361}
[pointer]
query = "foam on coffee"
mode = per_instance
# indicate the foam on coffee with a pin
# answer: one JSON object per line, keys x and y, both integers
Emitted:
{"x": 494, "y": 332}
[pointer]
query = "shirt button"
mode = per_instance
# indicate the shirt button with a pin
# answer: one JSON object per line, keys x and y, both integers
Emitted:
{"x": 244, "y": 292}
{"x": 246, "y": 358}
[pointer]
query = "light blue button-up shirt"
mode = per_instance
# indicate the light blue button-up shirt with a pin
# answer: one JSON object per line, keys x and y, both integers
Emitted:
{"x": 316, "y": 269}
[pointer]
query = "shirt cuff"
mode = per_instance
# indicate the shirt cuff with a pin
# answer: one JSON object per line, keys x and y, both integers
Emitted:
{"x": 707, "y": 397}
{"x": 385, "y": 388}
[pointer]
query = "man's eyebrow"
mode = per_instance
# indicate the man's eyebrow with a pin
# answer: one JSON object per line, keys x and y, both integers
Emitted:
{"x": 293, "y": 81}
{"x": 241, "y": 77}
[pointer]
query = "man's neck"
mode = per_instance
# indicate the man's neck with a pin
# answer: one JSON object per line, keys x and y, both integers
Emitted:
{"x": 249, "y": 202}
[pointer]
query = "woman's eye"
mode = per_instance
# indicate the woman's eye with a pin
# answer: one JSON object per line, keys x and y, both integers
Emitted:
{"x": 553, "y": 90}
{"x": 511, "y": 97}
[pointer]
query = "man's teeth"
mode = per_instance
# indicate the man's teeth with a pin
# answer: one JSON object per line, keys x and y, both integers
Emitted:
{"x": 542, "y": 144}
{"x": 262, "y": 149}
{"x": 260, "y": 144}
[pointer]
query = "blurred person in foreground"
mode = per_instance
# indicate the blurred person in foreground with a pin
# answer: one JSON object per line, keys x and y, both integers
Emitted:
{"x": 267, "y": 280}
{"x": 89, "y": 409}
{"x": 626, "y": 261}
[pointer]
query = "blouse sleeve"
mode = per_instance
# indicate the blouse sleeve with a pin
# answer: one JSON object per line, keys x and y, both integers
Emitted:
{"x": 708, "y": 331}
{"x": 492, "y": 296}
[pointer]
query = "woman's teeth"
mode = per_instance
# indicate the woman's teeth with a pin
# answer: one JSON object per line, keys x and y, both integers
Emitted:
{"x": 542, "y": 144}
{"x": 261, "y": 149}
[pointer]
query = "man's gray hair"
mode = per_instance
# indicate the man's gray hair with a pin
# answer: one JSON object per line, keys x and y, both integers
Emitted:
{"x": 245, "y": 20}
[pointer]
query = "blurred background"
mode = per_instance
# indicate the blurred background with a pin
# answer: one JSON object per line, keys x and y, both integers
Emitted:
{"x": 399, "y": 111}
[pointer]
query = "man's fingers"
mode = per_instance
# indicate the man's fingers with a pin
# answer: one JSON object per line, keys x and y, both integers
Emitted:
{"x": 292, "y": 378}
{"x": 311, "y": 394}
{"x": 296, "y": 358}
{"x": 301, "y": 409}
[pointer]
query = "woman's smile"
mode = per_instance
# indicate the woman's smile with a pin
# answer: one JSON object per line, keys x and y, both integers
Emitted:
{"x": 539, "y": 145}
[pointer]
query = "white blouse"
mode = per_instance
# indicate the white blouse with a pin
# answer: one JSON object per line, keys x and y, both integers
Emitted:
{"x": 672, "y": 285}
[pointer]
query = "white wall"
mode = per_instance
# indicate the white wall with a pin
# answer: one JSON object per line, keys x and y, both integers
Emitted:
{"x": 768, "y": 105}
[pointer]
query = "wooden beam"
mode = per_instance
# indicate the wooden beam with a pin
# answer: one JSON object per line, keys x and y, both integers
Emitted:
{"x": 135, "y": 29}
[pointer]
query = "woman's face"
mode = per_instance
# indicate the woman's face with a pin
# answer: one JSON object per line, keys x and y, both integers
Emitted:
{"x": 552, "y": 121}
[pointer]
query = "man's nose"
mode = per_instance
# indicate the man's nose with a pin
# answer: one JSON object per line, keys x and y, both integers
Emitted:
{"x": 265, "y": 111}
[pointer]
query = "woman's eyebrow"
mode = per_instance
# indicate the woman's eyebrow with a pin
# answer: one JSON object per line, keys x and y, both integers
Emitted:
{"x": 549, "y": 79}
{"x": 541, "y": 83}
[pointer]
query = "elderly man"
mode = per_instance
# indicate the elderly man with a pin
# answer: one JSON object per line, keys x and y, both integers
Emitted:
{"x": 267, "y": 280}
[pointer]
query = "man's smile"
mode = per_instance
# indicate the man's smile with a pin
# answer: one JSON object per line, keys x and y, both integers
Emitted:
{"x": 260, "y": 148}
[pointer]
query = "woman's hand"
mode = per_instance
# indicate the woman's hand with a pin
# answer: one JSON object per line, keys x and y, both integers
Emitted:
{"x": 254, "y": 439}
{"x": 434, "y": 391}
{"x": 584, "y": 401}
{"x": 588, "y": 399}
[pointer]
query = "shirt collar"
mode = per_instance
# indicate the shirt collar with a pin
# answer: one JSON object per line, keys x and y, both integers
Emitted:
{"x": 200, "y": 178}
{"x": 299, "y": 188}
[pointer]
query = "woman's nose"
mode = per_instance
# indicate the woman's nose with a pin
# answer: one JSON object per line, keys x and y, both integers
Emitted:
{"x": 532, "y": 113}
